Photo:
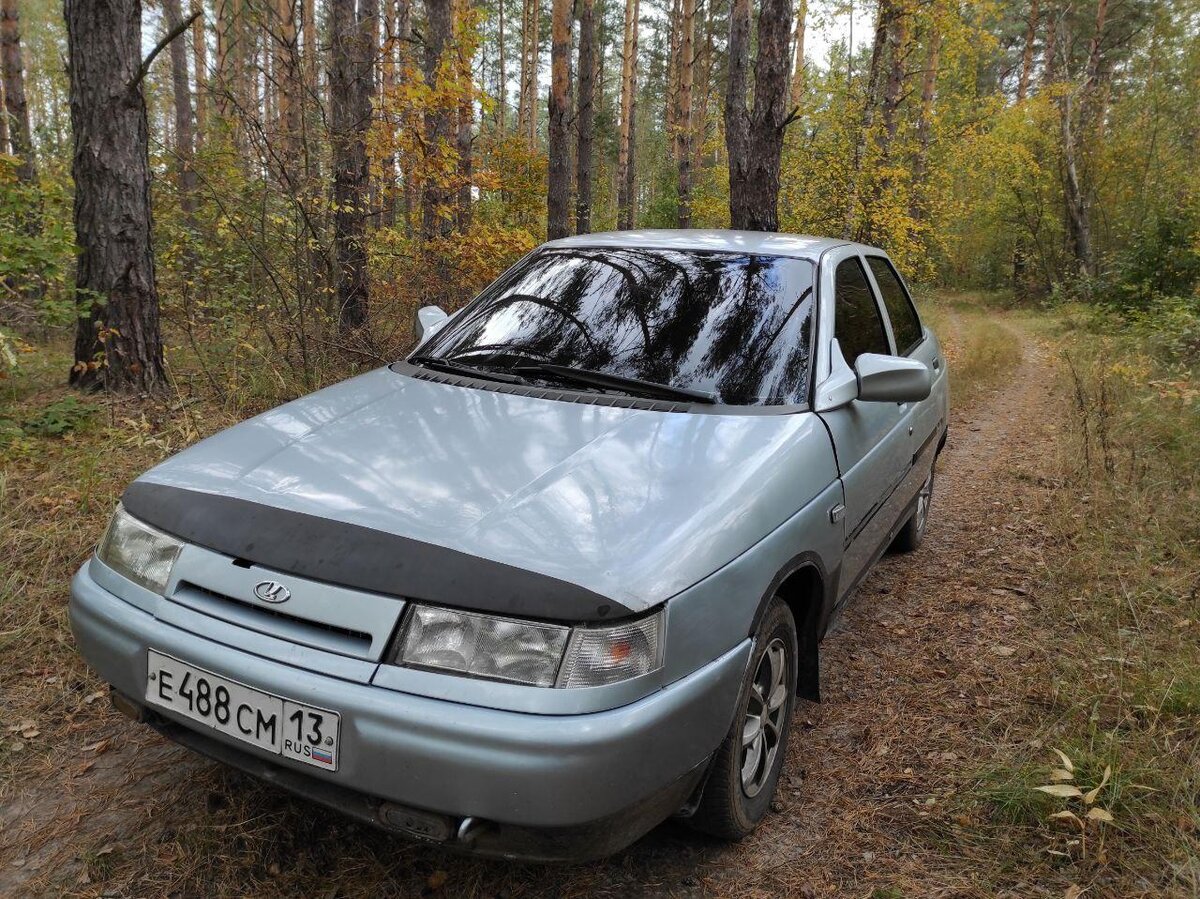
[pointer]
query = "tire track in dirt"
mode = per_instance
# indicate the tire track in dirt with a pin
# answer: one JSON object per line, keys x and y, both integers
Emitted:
{"x": 921, "y": 678}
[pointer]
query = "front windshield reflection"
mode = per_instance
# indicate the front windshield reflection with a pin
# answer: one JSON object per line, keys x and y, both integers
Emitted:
{"x": 734, "y": 324}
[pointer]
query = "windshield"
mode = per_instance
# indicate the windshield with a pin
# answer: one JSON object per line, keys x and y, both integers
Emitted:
{"x": 735, "y": 325}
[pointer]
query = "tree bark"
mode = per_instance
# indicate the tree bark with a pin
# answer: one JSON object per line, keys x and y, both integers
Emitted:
{"x": 1027, "y": 55}
{"x": 798, "y": 69}
{"x": 3, "y": 120}
{"x": 925, "y": 123}
{"x": 184, "y": 141}
{"x": 16, "y": 108}
{"x": 502, "y": 81}
{"x": 465, "y": 125}
{"x": 883, "y": 20}
{"x": 626, "y": 171}
{"x": 754, "y": 139}
{"x": 311, "y": 51}
{"x": 200, "y": 64}
{"x": 684, "y": 122}
{"x": 1078, "y": 221}
{"x": 527, "y": 102}
{"x": 558, "y": 181}
{"x": 585, "y": 116}
{"x": 117, "y": 343}
{"x": 404, "y": 39}
{"x": 286, "y": 68}
{"x": 350, "y": 89}
{"x": 436, "y": 201}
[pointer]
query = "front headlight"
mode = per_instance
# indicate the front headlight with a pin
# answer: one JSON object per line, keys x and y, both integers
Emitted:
{"x": 528, "y": 652}
{"x": 139, "y": 552}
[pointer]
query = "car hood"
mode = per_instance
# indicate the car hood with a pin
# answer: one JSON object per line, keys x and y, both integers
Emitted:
{"x": 630, "y": 504}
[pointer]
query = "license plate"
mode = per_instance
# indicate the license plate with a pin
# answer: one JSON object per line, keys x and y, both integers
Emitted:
{"x": 287, "y": 728}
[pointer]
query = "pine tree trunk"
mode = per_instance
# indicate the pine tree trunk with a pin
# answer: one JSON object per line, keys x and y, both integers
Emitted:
{"x": 224, "y": 68}
{"x": 558, "y": 181}
{"x": 184, "y": 140}
{"x": 1027, "y": 55}
{"x": 1078, "y": 222}
{"x": 15, "y": 107}
{"x": 626, "y": 174}
{"x": 3, "y": 120}
{"x": 437, "y": 199}
{"x": 117, "y": 343}
{"x": 527, "y": 106}
{"x": 925, "y": 124}
{"x": 404, "y": 39}
{"x": 352, "y": 55}
{"x": 286, "y": 67}
{"x": 586, "y": 116}
{"x": 684, "y": 124}
{"x": 465, "y": 120}
{"x": 200, "y": 63}
{"x": 755, "y": 139}
{"x": 502, "y": 83}
{"x": 883, "y": 20}
{"x": 798, "y": 70}
{"x": 389, "y": 82}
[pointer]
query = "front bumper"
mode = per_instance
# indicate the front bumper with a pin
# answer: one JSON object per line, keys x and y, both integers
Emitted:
{"x": 609, "y": 776}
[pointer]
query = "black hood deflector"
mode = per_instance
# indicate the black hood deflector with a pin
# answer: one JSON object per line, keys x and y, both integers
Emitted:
{"x": 354, "y": 556}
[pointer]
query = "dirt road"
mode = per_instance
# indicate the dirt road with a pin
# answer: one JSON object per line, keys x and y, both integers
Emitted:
{"x": 923, "y": 678}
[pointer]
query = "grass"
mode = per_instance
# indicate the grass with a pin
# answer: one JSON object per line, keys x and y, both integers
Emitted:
{"x": 1122, "y": 619}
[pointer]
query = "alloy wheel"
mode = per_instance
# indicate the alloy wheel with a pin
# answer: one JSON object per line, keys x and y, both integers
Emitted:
{"x": 762, "y": 729}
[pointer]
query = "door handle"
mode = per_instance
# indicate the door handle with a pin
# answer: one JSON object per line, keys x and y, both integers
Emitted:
{"x": 937, "y": 364}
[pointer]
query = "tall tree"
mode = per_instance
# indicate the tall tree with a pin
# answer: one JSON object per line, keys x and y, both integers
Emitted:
{"x": 502, "y": 79}
{"x": 436, "y": 200}
{"x": 352, "y": 54}
{"x": 3, "y": 120}
{"x": 117, "y": 341}
{"x": 285, "y": 67}
{"x": 527, "y": 101}
{"x": 464, "y": 136}
{"x": 1031, "y": 25}
{"x": 684, "y": 120}
{"x": 16, "y": 109}
{"x": 626, "y": 169}
{"x": 798, "y": 69}
{"x": 870, "y": 102}
{"x": 558, "y": 181}
{"x": 200, "y": 64}
{"x": 185, "y": 162}
{"x": 754, "y": 138}
{"x": 585, "y": 116}
{"x": 925, "y": 122}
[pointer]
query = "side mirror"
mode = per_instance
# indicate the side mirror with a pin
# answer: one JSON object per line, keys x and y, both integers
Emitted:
{"x": 429, "y": 321}
{"x": 893, "y": 379}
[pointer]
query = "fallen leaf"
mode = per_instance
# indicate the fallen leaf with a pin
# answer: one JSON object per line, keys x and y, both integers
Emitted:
{"x": 1063, "y": 790}
{"x": 98, "y": 747}
{"x": 438, "y": 879}
{"x": 1099, "y": 814}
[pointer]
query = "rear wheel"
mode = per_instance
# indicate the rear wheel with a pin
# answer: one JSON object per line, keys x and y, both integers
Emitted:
{"x": 913, "y": 532}
{"x": 747, "y": 765}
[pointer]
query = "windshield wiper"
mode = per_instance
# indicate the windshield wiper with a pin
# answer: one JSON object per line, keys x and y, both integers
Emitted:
{"x": 458, "y": 368}
{"x": 634, "y": 386}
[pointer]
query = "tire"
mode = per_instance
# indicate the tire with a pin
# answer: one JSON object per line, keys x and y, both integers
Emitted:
{"x": 733, "y": 805}
{"x": 913, "y": 533}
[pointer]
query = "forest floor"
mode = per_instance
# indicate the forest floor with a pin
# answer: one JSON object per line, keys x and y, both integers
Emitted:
{"x": 938, "y": 672}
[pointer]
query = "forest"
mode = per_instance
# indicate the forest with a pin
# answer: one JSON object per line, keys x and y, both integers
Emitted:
{"x": 210, "y": 207}
{"x": 301, "y": 175}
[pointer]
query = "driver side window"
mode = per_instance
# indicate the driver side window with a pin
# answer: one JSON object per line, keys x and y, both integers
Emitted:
{"x": 857, "y": 324}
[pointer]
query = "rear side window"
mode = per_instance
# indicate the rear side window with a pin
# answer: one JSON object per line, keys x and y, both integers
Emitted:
{"x": 857, "y": 326}
{"x": 905, "y": 325}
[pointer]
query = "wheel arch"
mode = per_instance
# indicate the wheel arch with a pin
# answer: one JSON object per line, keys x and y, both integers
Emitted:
{"x": 804, "y": 585}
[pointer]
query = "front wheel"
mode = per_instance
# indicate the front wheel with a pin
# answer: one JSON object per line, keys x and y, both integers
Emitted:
{"x": 747, "y": 765}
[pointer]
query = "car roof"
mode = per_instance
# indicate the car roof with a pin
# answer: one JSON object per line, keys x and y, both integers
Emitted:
{"x": 764, "y": 243}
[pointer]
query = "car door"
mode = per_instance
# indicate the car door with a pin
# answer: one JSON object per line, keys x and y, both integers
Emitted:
{"x": 870, "y": 439}
{"x": 926, "y": 418}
